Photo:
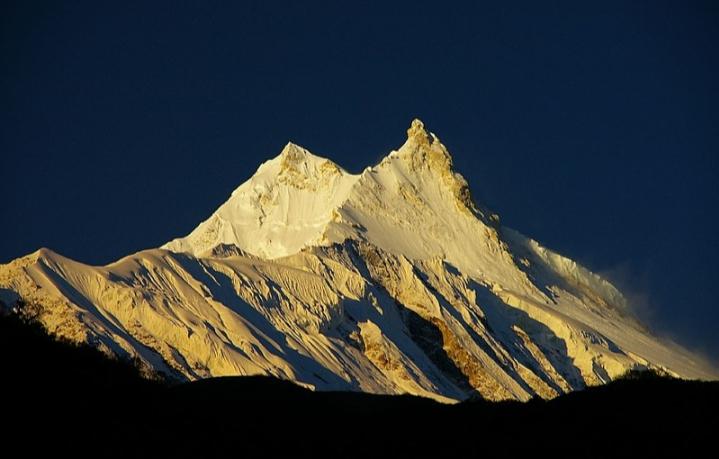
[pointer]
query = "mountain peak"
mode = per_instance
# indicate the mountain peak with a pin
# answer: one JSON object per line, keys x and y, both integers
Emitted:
{"x": 424, "y": 151}
{"x": 295, "y": 154}
{"x": 296, "y": 163}
{"x": 418, "y": 134}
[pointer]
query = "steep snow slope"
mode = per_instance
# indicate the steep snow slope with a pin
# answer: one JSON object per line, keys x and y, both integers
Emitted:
{"x": 391, "y": 281}
{"x": 282, "y": 208}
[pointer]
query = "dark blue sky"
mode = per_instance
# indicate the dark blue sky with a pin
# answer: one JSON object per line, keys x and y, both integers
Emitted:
{"x": 592, "y": 128}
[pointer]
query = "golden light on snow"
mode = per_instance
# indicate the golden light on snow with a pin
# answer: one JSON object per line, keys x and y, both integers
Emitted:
{"x": 390, "y": 281}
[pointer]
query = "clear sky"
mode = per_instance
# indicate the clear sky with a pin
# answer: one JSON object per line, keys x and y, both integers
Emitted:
{"x": 592, "y": 128}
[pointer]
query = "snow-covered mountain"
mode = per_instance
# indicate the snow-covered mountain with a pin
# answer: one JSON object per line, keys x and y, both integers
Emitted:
{"x": 390, "y": 281}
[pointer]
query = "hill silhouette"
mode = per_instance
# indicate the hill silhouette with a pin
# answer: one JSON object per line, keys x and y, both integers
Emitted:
{"x": 60, "y": 397}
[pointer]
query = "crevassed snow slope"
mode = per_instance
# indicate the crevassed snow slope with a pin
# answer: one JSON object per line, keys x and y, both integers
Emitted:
{"x": 390, "y": 281}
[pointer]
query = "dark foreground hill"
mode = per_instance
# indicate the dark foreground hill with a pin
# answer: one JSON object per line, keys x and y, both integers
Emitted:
{"x": 58, "y": 397}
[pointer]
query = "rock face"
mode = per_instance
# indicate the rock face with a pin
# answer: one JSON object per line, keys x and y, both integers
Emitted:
{"x": 390, "y": 281}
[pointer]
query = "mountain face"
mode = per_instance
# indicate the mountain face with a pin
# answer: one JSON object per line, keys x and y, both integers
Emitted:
{"x": 390, "y": 281}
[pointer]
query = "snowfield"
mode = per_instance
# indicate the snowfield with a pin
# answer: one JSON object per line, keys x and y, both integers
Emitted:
{"x": 390, "y": 281}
